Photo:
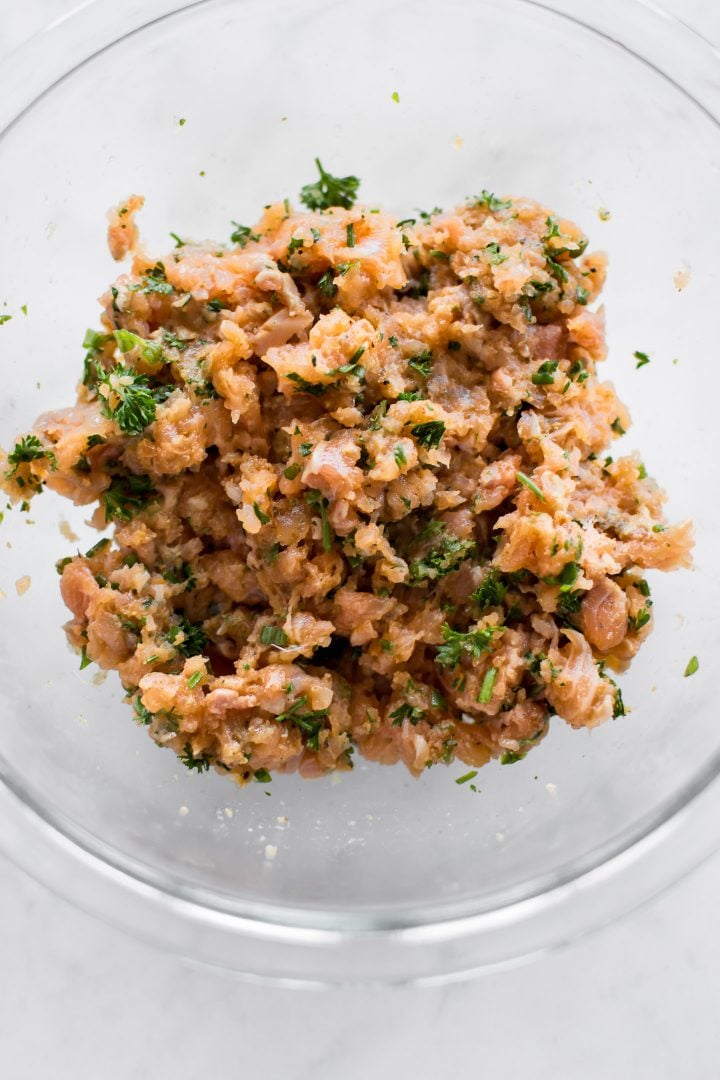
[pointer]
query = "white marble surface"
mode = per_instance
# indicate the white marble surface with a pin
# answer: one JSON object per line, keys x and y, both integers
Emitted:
{"x": 79, "y": 1000}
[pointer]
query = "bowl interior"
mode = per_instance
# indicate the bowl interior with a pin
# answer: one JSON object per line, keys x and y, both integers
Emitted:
{"x": 498, "y": 94}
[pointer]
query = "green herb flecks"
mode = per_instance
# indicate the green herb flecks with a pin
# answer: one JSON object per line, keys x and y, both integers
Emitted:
{"x": 491, "y": 591}
{"x": 274, "y": 635}
{"x": 128, "y": 399}
{"x": 127, "y": 496}
{"x": 472, "y": 642}
{"x": 310, "y": 722}
{"x": 490, "y": 201}
{"x": 495, "y": 255}
{"x": 406, "y": 712}
{"x": 200, "y": 763}
{"x": 154, "y": 280}
{"x": 692, "y": 665}
{"x": 441, "y": 558}
{"x": 242, "y": 235}
{"x": 429, "y": 435}
{"x": 29, "y": 448}
{"x": 422, "y": 363}
{"x": 329, "y": 191}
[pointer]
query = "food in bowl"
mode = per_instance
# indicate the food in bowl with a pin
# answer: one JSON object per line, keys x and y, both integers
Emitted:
{"x": 358, "y": 478}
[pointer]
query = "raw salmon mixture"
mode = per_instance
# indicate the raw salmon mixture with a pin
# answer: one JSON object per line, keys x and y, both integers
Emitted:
{"x": 358, "y": 478}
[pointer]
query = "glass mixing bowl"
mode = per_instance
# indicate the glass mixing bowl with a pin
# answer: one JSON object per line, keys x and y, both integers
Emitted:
{"x": 373, "y": 875}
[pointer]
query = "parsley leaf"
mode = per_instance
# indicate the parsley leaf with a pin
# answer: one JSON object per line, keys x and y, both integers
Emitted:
{"x": 28, "y": 448}
{"x": 154, "y": 281}
{"x": 490, "y": 202}
{"x": 310, "y": 722}
{"x": 273, "y": 635}
{"x": 199, "y": 763}
{"x": 491, "y": 591}
{"x": 474, "y": 642}
{"x": 242, "y": 234}
{"x": 127, "y": 496}
{"x": 329, "y": 191}
{"x": 422, "y": 363}
{"x": 429, "y": 434}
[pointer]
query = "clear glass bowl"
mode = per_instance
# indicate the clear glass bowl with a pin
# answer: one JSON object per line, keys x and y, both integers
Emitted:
{"x": 372, "y": 876}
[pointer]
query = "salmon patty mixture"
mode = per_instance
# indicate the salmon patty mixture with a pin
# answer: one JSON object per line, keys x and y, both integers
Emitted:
{"x": 358, "y": 479}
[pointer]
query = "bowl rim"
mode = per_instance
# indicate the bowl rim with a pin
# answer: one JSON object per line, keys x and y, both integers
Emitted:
{"x": 302, "y": 945}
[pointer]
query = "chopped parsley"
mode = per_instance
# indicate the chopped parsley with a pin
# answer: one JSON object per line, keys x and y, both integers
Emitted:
{"x": 422, "y": 363}
{"x": 200, "y": 763}
{"x": 310, "y": 722}
{"x": 305, "y": 387}
{"x": 242, "y": 234}
{"x": 396, "y": 97}
{"x": 399, "y": 455}
{"x": 154, "y": 281}
{"x": 495, "y": 255}
{"x": 326, "y": 285}
{"x": 194, "y": 638}
{"x": 642, "y": 358}
{"x": 274, "y": 635}
{"x": 350, "y": 235}
{"x": 582, "y": 295}
{"x": 29, "y": 448}
{"x": 406, "y": 712}
{"x": 692, "y": 665}
{"x": 195, "y": 679}
{"x": 127, "y": 496}
{"x": 329, "y": 191}
{"x": 5, "y": 319}
{"x": 566, "y": 578}
{"x": 491, "y": 591}
{"x": 181, "y": 574}
{"x": 292, "y": 471}
{"x": 429, "y": 435}
{"x": 215, "y": 305}
{"x": 617, "y": 426}
{"x": 618, "y": 704}
{"x": 262, "y": 776}
{"x": 456, "y": 642}
{"x": 490, "y": 202}
{"x": 442, "y": 558}
{"x": 128, "y": 399}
